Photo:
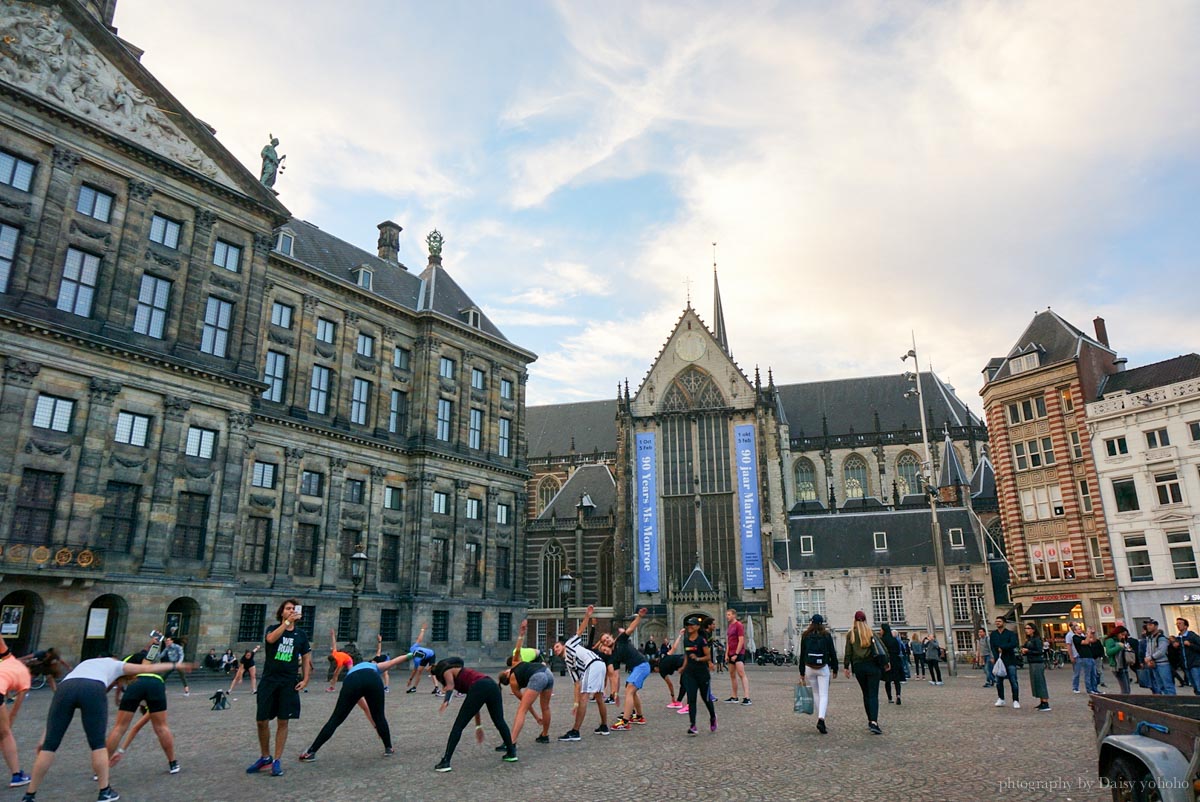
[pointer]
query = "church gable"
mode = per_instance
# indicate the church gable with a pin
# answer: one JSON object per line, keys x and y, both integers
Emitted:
{"x": 44, "y": 52}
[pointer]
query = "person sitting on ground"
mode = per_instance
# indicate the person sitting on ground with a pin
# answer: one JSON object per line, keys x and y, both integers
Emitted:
{"x": 211, "y": 661}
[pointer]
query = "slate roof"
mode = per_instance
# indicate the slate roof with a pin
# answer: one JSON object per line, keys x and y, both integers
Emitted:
{"x": 846, "y": 540}
{"x": 590, "y": 425}
{"x": 434, "y": 290}
{"x": 719, "y": 332}
{"x": 1157, "y": 374}
{"x": 697, "y": 580}
{"x": 594, "y": 482}
{"x": 851, "y": 405}
{"x": 983, "y": 481}
{"x": 1052, "y": 336}
{"x": 952, "y": 473}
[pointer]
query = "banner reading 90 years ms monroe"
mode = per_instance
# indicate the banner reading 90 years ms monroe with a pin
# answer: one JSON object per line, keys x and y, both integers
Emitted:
{"x": 747, "y": 473}
{"x": 646, "y": 491}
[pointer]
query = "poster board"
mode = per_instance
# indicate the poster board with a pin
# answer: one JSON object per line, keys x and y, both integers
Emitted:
{"x": 10, "y": 619}
{"x": 97, "y": 624}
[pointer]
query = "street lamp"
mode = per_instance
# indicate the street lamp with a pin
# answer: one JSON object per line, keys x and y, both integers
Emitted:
{"x": 358, "y": 569}
{"x": 939, "y": 559}
{"x": 566, "y": 583}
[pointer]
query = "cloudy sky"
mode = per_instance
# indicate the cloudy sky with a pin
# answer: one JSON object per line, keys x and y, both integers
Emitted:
{"x": 866, "y": 168}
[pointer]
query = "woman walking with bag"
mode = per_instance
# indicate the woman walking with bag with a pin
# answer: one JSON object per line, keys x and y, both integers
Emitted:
{"x": 819, "y": 663}
{"x": 895, "y": 676}
{"x": 862, "y": 660}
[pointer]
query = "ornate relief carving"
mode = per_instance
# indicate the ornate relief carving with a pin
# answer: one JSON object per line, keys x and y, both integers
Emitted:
{"x": 310, "y": 507}
{"x": 324, "y": 349}
{"x": 103, "y": 391}
{"x": 390, "y": 333}
{"x": 259, "y": 500}
{"x": 240, "y": 422}
{"x": 233, "y": 285}
{"x": 461, "y": 484}
{"x": 428, "y": 480}
{"x": 379, "y": 472}
{"x": 20, "y": 372}
{"x": 281, "y": 337}
{"x": 113, "y": 459}
{"x": 399, "y": 376}
{"x": 293, "y": 455}
{"x": 103, "y": 236}
{"x": 364, "y": 363}
{"x": 310, "y": 302}
{"x": 48, "y": 448}
{"x": 263, "y": 243}
{"x": 353, "y": 515}
{"x": 25, "y": 208}
{"x": 337, "y": 463}
{"x": 205, "y": 220}
{"x": 45, "y": 55}
{"x": 352, "y": 318}
{"x": 176, "y": 407}
{"x": 64, "y": 158}
{"x": 165, "y": 261}
{"x": 140, "y": 191}
{"x": 392, "y": 520}
{"x": 197, "y": 473}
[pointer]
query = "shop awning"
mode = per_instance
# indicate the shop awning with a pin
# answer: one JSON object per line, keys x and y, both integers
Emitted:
{"x": 1044, "y": 608}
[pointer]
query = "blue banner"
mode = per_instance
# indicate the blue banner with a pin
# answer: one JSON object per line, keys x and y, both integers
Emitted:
{"x": 647, "y": 519}
{"x": 747, "y": 472}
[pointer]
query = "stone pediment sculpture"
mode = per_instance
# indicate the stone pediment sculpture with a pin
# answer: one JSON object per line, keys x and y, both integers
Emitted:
{"x": 43, "y": 53}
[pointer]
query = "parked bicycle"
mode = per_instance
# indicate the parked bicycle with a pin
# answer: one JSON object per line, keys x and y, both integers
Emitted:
{"x": 1055, "y": 658}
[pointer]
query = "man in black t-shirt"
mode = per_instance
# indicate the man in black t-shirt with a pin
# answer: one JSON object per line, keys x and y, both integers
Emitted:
{"x": 287, "y": 652}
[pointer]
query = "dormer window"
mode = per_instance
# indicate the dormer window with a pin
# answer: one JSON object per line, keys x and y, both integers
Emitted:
{"x": 283, "y": 243}
{"x": 1021, "y": 364}
{"x": 472, "y": 317}
{"x": 881, "y": 541}
{"x": 362, "y": 277}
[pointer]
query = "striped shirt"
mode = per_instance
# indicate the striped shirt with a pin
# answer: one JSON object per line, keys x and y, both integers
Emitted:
{"x": 579, "y": 657}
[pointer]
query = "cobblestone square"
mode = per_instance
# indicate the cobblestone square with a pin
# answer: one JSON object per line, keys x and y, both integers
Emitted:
{"x": 943, "y": 743}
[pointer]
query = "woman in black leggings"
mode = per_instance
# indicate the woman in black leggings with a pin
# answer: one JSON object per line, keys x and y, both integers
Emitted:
{"x": 695, "y": 675}
{"x": 480, "y": 690}
{"x": 363, "y": 686}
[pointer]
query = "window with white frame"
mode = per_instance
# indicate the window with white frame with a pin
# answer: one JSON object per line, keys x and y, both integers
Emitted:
{"x": 275, "y": 376}
{"x": 95, "y": 203}
{"x": 283, "y": 243}
{"x": 132, "y": 429}
{"x": 880, "y": 541}
{"x": 1116, "y": 446}
{"x": 360, "y": 402}
{"x": 1157, "y": 438}
{"x": 77, "y": 289}
{"x": 505, "y": 438}
{"x": 441, "y": 502}
{"x": 887, "y": 604}
{"x": 476, "y": 379}
{"x": 365, "y": 346}
{"x": 1066, "y": 399}
{"x": 1095, "y": 558}
{"x": 1033, "y": 453}
{"x": 475, "y": 429}
{"x": 318, "y": 390}
{"x": 1085, "y": 495}
{"x": 806, "y": 544}
{"x": 362, "y": 277}
{"x": 809, "y": 602}
{"x": 1183, "y": 556}
{"x": 473, "y": 509}
{"x": 506, "y": 391}
{"x": 218, "y": 317}
{"x": 201, "y": 442}
{"x": 446, "y": 367}
{"x": 398, "y": 412}
{"x": 227, "y": 255}
{"x": 1168, "y": 488}
{"x": 1041, "y": 503}
{"x": 1076, "y": 445}
{"x": 15, "y": 171}
{"x": 956, "y": 538}
{"x": 393, "y": 498}
{"x": 154, "y": 298}
{"x": 1030, "y": 409}
{"x": 1021, "y": 364}
{"x": 445, "y": 411}
{"x": 54, "y": 413}
{"x": 1051, "y": 561}
{"x": 401, "y": 358}
{"x": 281, "y": 315}
{"x": 263, "y": 475}
{"x": 326, "y": 331}
{"x": 312, "y": 483}
{"x": 502, "y": 512}
{"x": 165, "y": 231}
{"x": 1137, "y": 556}
{"x": 9, "y": 235}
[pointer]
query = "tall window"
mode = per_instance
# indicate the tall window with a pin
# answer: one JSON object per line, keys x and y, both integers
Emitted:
{"x": 132, "y": 429}
{"x": 1066, "y": 399}
{"x": 318, "y": 390}
{"x": 304, "y": 555}
{"x": 326, "y": 331}
{"x": 1116, "y": 446}
{"x": 441, "y": 502}
{"x": 77, "y": 289}
{"x": 227, "y": 255}
{"x": 360, "y": 402}
{"x": 389, "y": 624}
{"x": 1125, "y": 493}
{"x": 474, "y": 625}
{"x": 200, "y": 442}
{"x": 808, "y": 602}
{"x": 502, "y": 514}
{"x": 1157, "y": 438}
{"x": 504, "y": 627}
{"x": 355, "y": 491}
{"x": 256, "y": 551}
{"x": 503, "y": 568}
{"x": 1168, "y": 488}
{"x": 284, "y": 242}
{"x": 908, "y": 474}
{"x": 806, "y": 480}
{"x": 547, "y": 490}
{"x": 1033, "y": 453}
{"x": 54, "y": 413}
{"x": 281, "y": 315}
{"x": 164, "y": 231}
{"x": 95, "y": 203}
{"x": 475, "y": 429}
{"x": 8, "y": 252}
{"x": 1027, "y": 410}
{"x": 1138, "y": 557}
{"x": 967, "y": 600}
{"x": 393, "y": 498}
{"x": 472, "y": 565}
{"x": 312, "y": 483}
{"x": 446, "y": 367}
{"x": 389, "y": 555}
{"x": 605, "y": 573}
{"x": 1040, "y": 503}
{"x": 887, "y": 604}
{"x": 1183, "y": 556}
{"x": 263, "y": 475}
{"x": 351, "y": 538}
{"x": 118, "y": 518}
{"x": 445, "y": 409}
{"x": 191, "y": 523}
{"x": 252, "y": 623}
{"x": 474, "y": 507}
{"x": 218, "y": 317}
{"x": 504, "y": 443}
{"x": 439, "y": 631}
{"x": 506, "y": 389}
{"x": 476, "y": 379}
{"x": 401, "y": 357}
{"x": 365, "y": 346}
{"x": 554, "y": 563}
{"x": 37, "y": 499}
{"x": 15, "y": 171}
{"x": 439, "y": 560}
{"x": 1095, "y": 558}
{"x": 398, "y": 412}
{"x": 854, "y": 474}
{"x": 154, "y": 298}
{"x": 275, "y": 376}
{"x": 1051, "y": 560}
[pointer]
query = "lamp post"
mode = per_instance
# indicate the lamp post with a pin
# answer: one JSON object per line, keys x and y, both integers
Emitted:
{"x": 358, "y": 569}
{"x": 566, "y": 583}
{"x": 939, "y": 559}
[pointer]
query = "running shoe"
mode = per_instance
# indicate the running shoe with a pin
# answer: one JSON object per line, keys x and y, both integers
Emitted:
{"x": 276, "y": 769}
{"x": 683, "y": 709}
{"x": 259, "y": 765}
{"x": 387, "y": 688}
{"x": 746, "y": 701}
{"x": 998, "y": 703}
{"x": 674, "y": 705}
{"x": 510, "y": 756}
{"x": 29, "y": 798}
{"x": 573, "y": 735}
{"x": 542, "y": 739}
{"x": 173, "y": 767}
{"x": 601, "y": 730}
{"x": 19, "y": 779}
{"x": 389, "y": 752}
{"x": 308, "y": 757}
{"x": 620, "y": 724}
{"x": 1044, "y": 707}
{"x": 874, "y": 728}
{"x": 411, "y": 690}
{"x": 501, "y": 748}
{"x": 1016, "y": 705}
{"x": 692, "y": 730}
{"x": 637, "y": 719}
{"x": 732, "y": 700}
{"x": 107, "y": 795}
{"x": 608, "y": 700}
{"x": 821, "y": 726}
{"x": 442, "y": 766}
{"x": 187, "y": 693}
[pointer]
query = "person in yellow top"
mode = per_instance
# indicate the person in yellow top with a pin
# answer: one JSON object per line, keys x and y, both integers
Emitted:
{"x": 860, "y": 659}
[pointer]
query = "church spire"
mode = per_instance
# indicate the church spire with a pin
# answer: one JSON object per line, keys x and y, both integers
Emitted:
{"x": 718, "y": 311}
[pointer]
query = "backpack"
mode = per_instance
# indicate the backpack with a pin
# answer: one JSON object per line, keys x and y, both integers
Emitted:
{"x": 815, "y": 651}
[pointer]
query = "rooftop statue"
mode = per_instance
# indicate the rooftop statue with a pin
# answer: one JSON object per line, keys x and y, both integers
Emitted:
{"x": 434, "y": 240}
{"x": 272, "y": 163}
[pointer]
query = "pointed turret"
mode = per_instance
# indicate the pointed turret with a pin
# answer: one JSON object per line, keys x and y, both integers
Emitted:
{"x": 952, "y": 479}
{"x": 719, "y": 314}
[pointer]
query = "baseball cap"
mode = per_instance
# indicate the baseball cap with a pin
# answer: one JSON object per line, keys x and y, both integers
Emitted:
{"x": 817, "y": 619}
{"x": 860, "y": 616}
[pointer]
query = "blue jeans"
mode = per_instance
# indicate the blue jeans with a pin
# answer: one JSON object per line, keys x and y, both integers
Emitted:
{"x": 1012, "y": 682}
{"x": 1194, "y": 675}
{"x": 1164, "y": 682}
{"x": 988, "y": 662}
{"x": 1076, "y": 669}
{"x": 1087, "y": 667}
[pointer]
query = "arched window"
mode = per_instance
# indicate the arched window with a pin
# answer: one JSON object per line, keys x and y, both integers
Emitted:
{"x": 806, "y": 480}
{"x": 554, "y": 563}
{"x": 908, "y": 474}
{"x": 547, "y": 490}
{"x": 854, "y": 475}
{"x": 604, "y": 594}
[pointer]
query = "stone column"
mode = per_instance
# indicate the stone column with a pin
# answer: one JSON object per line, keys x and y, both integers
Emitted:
{"x": 49, "y": 232}
{"x": 333, "y": 524}
{"x": 244, "y": 352}
{"x": 306, "y": 334}
{"x": 285, "y": 540}
{"x": 14, "y": 403}
{"x": 131, "y": 253}
{"x": 373, "y": 537}
{"x": 489, "y": 545}
{"x": 162, "y": 500}
{"x": 229, "y": 519}
{"x": 85, "y": 512}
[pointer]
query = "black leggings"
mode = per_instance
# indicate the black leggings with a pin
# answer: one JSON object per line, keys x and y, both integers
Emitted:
{"x": 935, "y": 670}
{"x": 919, "y": 664}
{"x": 890, "y": 679}
{"x": 484, "y": 692}
{"x": 363, "y": 684}
{"x": 90, "y": 697}
{"x": 867, "y": 675}
{"x": 693, "y": 684}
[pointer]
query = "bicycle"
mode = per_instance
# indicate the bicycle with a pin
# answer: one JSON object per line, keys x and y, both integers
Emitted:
{"x": 1054, "y": 658}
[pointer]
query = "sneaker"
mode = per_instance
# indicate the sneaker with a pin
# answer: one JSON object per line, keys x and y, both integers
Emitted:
{"x": 258, "y": 765}
{"x": 931, "y": 682}
{"x": 620, "y": 724}
{"x": 874, "y": 728}
{"x": 601, "y": 730}
{"x": 1016, "y": 705}
{"x": 573, "y": 735}
{"x": 542, "y": 739}
{"x": 608, "y": 700}
{"x": 732, "y": 700}
{"x": 674, "y": 705}
{"x": 107, "y": 795}
{"x": 637, "y": 719}
{"x": 1075, "y": 690}
{"x": 187, "y": 693}
{"x": 387, "y": 688}
{"x": 941, "y": 683}
{"x": 29, "y": 798}
{"x": 683, "y": 709}
{"x": 442, "y": 766}
{"x": 510, "y": 756}
{"x": 999, "y": 703}
{"x": 19, "y": 779}
{"x": 410, "y": 690}
{"x": 501, "y": 748}
{"x": 746, "y": 701}
{"x": 712, "y": 725}
{"x": 389, "y": 752}
{"x": 1044, "y": 707}
{"x": 898, "y": 700}
{"x": 276, "y": 769}
{"x": 308, "y": 757}
{"x": 692, "y": 730}
{"x": 890, "y": 702}
{"x": 821, "y": 726}
{"x": 173, "y": 767}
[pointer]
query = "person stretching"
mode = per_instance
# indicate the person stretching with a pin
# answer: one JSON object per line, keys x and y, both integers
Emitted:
{"x": 735, "y": 656}
{"x": 668, "y": 664}
{"x": 623, "y": 651}
{"x": 85, "y": 689}
{"x": 338, "y": 662}
{"x": 245, "y": 666}
{"x": 480, "y": 691}
{"x": 696, "y": 677}
{"x": 423, "y": 658}
{"x": 149, "y": 691}
{"x": 382, "y": 657}
{"x": 588, "y": 671}
{"x": 14, "y": 678}
{"x": 530, "y": 682}
{"x": 363, "y": 686}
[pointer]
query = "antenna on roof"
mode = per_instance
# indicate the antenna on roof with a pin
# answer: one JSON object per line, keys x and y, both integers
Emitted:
{"x": 688, "y": 283}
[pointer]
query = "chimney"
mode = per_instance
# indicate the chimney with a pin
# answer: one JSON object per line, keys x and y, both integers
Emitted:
{"x": 1101, "y": 331}
{"x": 389, "y": 241}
